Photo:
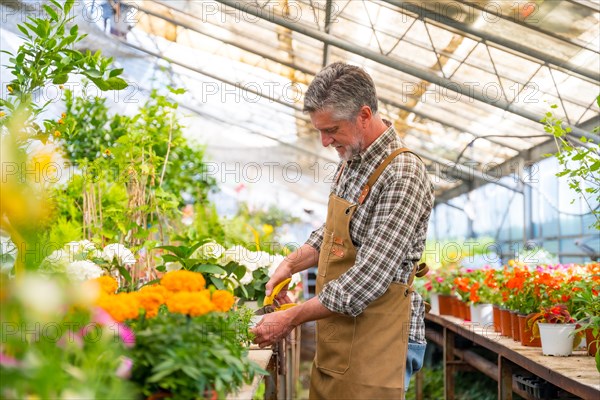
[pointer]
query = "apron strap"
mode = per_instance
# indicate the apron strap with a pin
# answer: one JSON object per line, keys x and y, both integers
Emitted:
{"x": 339, "y": 174}
{"x": 367, "y": 188}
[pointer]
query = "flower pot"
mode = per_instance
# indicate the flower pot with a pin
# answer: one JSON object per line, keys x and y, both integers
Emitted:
{"x": 557, "y": 339}
{"x": 455, "y": 307}
{"x": 445, "y": 304}
{"x": 590, "y": 339}
{"x": 514, "y": 324}
{"x": 497, "y": 322}
{"x": 482, "y": 314}
{"x": 462, "y": 314}
{"x": 527, "y": 338}
{"x": 435, "y": 303}
{"x": 466, "y": 311}
{"x": 506, "y": 323}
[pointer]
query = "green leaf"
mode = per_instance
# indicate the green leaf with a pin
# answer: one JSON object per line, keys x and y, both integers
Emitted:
{"x": 92, "y": 73}
{"x": 125, "y": 273}
{"x": 74, "y": 30}
{"x": 68, "y": 5}
{"x": 161, "y": 268}
{"x": 577, "y": 157}
{"x": 115, "y": 72}
{"x": 171, "y": 258}
{"x": 217, "y": 282}
{"x": 179, "y": 251}
{"x": 208, "y": 269}
{"x": 60, "y": 79}
{"x": 115, "y": 83}
{"x": 53, "y": 14}
{"x": 595, "y": 166}
{"x": 176, "y": 91}
{"x": 25, "y": 31}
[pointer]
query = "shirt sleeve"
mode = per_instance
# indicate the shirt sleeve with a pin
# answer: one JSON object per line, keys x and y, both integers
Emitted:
{"x": 400, "y": 211}
{"x": 316, "y": 238}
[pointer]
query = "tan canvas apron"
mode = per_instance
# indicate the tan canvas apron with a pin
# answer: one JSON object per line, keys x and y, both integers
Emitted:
{"x": 361, "y": 357}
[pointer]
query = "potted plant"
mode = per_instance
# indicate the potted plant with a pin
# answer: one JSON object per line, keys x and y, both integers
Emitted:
{"x": 189, "y": 344}
{"x": 481, "y": 297}
{"x": 586, "y": 298}
{"x": 441, "y": 285}
{"x": 556, "y": 329}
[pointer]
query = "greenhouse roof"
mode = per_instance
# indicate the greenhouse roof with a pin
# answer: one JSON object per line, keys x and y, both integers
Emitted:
{"x": 465, "y": 82}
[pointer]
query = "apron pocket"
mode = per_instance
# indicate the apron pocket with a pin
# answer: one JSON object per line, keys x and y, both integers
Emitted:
{"x": 335, "y": 339}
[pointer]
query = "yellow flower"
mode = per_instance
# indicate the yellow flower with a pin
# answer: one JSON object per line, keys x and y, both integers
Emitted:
{"x": 61, "y": 121}
{"x": 267, "y": 229}
{"x": 56, "y": 133}
{"x": 191, "y": 303}
{"x": 63, "y": 115}
{"x": 61, "y": 87}
{"x": 10, "y": 89}
{"x": 108, "y": 152}
{"x": 2, "y": 114}
{"x": 177, "y": 281}
{"x": 121, "y": 307}
{"x": 223, "y": 300}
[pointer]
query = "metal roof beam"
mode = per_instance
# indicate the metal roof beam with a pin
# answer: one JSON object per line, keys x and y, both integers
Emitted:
{"x": 491, "y": 11}
{"x": 396, "y": 64}
{"x": 513, "y": 165}
{"x": 270, "y": 56}
{"x": 487, "y": 36}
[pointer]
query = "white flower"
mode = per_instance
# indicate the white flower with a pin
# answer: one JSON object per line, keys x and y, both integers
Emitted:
{"x": 172, "y": 266}
{"x": 209, "y": 250}
{"x": 296, "y": 279}
{"x": 262, "y": 259}
{"x": 40, "y": 295}
{"x": 123, "y": 254}
{"x": 83, "y": 271}
{"x": 275, "y": 261}
{"x": 247, "y": 278}
{"x": 237, "y": 254}
{"x": 79, "y": 247}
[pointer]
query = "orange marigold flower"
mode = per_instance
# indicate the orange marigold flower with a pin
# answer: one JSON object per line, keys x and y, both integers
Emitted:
{"x": 161, "y": 290}
{"x": 191, "y": 303}
{"x": 121, "y": 307}
{"x": 108, "y": 284}
{"x": 179, "y": 281}
{"x": 223, "y": 300}
{"x": 150, "y": 301}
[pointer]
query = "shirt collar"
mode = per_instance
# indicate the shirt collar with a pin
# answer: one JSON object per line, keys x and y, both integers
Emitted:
{"x": 378, "y": 146}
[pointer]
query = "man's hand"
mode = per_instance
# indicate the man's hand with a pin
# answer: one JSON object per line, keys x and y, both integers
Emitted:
{"x": 272, "y": 328}
{"x": 282, "y": 272}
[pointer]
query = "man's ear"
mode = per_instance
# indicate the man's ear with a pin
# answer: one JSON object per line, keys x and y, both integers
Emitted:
{"x": 364, "y": 116}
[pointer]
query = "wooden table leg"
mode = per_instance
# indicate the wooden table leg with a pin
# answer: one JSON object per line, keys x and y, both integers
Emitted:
{"x": 419, "y": 385}
{"x": 448, "y": 364}
{"x": 504, "y": 379}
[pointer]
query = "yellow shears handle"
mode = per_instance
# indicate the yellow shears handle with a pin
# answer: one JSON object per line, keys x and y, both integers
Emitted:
{"x": 269, "y": 299}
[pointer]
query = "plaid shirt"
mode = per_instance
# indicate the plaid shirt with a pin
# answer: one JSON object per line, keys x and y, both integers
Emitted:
{"x": 388, "y": 230}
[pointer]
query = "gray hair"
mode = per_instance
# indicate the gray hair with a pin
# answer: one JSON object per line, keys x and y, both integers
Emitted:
{"x": 343, "y": 88}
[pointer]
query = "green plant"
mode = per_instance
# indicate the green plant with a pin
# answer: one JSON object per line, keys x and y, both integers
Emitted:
{"x": 188, "y": 356}
{"x": 45, "y": 58}
{"x": 580, "y": 164}
{"x": 56, "y": 344}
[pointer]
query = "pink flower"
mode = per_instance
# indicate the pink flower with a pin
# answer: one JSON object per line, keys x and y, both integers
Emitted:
{"x": 8, "y": 361}
{"x": 70, "y": 337}
{"x": 126, "y": 334}
{"x": 439, "y": 279}
{"x": 124, "y": 369}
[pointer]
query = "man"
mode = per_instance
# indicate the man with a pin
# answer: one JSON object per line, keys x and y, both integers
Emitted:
{"x": 367, "y": 250}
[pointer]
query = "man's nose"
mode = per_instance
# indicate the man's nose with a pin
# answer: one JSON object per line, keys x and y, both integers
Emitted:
{"x": 326, "y": 140}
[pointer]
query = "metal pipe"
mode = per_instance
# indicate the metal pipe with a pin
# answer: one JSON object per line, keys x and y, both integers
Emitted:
{"x": 398, "y": 65}
{"x": 269, "y": 56}
{"x": 487, "y": 36}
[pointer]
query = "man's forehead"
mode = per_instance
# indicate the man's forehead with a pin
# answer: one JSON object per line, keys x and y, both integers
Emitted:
{"x": 324, "y": 119}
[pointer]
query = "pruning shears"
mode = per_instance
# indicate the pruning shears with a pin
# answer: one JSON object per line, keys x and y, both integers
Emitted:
{"x": 270, "y": 304}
